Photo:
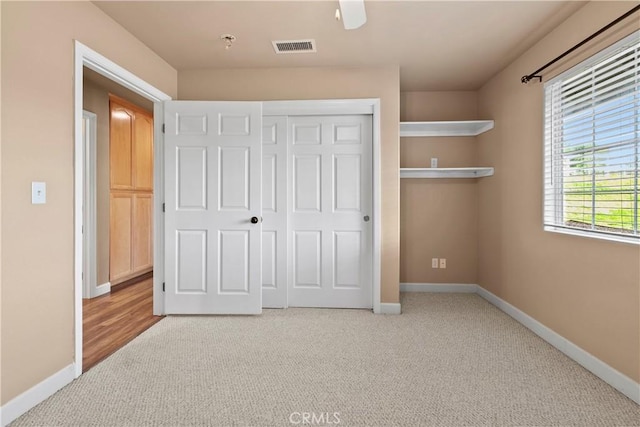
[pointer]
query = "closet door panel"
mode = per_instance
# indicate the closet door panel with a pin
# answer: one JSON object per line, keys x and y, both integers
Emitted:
{"x": 274, "y": 211}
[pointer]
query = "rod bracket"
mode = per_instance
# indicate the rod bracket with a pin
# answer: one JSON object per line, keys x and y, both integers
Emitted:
{"x": 527, "y": 79}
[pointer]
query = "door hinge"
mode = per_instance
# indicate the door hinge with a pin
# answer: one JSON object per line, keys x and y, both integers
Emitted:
{"x": 163, "y": 128}
{"x": 162, "y": 286}
{"x": 163, "y": 207}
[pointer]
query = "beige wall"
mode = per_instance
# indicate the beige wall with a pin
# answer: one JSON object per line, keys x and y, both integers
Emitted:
{"x": 96, "y": 100}
{"x": 585, "y": 289}
{"x": 438, "y": 217}
{"x": 444, "y": 105}
{"x": 37, "y": 145}
{"x": 323, "y": 83}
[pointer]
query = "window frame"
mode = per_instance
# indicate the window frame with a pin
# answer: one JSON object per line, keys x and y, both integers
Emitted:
{"x": 551, "y": 151}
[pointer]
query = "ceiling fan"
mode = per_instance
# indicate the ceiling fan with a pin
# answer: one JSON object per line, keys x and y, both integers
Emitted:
{"x": 352, "y": 12}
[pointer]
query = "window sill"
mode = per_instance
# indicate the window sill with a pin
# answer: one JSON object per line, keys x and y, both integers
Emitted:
{"x": 592, "y": 235}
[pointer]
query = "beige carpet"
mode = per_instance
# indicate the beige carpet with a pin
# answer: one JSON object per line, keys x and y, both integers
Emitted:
{"x": 448, "y": 360}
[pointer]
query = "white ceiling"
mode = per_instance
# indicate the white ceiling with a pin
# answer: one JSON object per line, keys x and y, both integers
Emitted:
{"x": 438, "y": 45}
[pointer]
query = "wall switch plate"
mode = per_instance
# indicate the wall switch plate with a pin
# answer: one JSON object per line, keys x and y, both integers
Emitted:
{"x": 443, "y": 263}
{"x": 434, "y": 262}
{"x": 434, "y": 162}
{"x": 38, "y": 193}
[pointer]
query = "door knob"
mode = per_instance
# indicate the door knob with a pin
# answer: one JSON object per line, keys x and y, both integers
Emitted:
{"x": 366, "y": 218}
{"x": 254, "y": 220}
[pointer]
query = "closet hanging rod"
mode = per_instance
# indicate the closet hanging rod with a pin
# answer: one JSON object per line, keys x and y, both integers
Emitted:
{"x": 535, "y": 75}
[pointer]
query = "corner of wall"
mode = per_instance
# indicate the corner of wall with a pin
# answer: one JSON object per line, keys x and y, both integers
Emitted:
{"x": 540, "y": 273}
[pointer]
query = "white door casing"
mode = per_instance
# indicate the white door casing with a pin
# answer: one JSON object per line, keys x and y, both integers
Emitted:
{"x": 330, "y": 209}
{"x": 274, "y": 212}
{"x": 87, "y": 57}
{"x": 213, "y": 162}
{"x": 89, "y": 271}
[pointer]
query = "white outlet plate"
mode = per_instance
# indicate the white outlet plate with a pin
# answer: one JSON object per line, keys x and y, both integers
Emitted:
{"x": 434, "y": 262}
{"x": 434, "y": 162}
{"x": 443, "y": 263}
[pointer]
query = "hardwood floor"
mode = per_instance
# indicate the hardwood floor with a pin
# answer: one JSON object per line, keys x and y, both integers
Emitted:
{"x": 110, "y": 321}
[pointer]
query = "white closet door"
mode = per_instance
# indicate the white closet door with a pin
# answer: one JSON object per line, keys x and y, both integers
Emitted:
{"x": 213, "y": 167}
{"x": 330, "y": 211}
{"x": 274, "y": 212}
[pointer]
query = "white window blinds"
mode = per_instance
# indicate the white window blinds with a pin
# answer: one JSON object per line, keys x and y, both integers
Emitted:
{"x": 592, "y": 144}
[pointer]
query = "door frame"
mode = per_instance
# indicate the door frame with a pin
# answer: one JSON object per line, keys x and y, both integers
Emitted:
{"x": 87, "y": 57}
{"x": 89, "y": 278}
{"x": 368, "y": 106}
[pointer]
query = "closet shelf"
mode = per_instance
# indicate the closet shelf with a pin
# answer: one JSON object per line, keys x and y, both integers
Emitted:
{"x": 449, "y": 128}
{"x": 445, "y": 172}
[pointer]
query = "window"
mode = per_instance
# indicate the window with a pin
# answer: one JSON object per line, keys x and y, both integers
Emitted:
{"x": 592, "y": 146}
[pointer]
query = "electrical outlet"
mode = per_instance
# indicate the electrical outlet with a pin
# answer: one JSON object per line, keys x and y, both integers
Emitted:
{"x": 434, "y": 162}
{"x": 443, "y": 263}
{"x": 434, "y": 262}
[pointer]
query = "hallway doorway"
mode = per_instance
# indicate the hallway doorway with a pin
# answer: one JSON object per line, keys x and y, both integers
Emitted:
{"x": 117, "y": 295}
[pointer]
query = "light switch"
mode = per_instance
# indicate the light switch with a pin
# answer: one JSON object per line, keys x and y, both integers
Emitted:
{"x": 38, "y": 193}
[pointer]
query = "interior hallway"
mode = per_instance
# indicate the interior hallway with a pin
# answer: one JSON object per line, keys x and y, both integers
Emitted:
{"x": 111, "y": 321}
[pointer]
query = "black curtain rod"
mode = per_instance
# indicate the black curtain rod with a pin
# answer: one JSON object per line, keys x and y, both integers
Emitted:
{"x": 535, "y": 75}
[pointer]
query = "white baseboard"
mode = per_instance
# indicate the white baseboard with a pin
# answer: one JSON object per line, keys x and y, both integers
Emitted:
{"x": 36, "y": 394}
{"x": 467, "y": 288}
{"x": 625, "y": 385}
{"x": 390, "y": 308}
{"x": 611, "y": 376}
{"x": 105, "y": 288}
{"x": 606, "y": 373}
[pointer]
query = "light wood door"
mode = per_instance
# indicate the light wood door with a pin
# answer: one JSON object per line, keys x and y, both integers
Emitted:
{"x": 131, "y": 146}
{"x": 120, "y": 148}
{"x": 213, "y": 162}
{"x": 120, "y": 237}
{"x": 131, "y": 183}
{"x": 131, "y": 235}
{"x": 142, "y": 170}
{"x": 142, "y": 233}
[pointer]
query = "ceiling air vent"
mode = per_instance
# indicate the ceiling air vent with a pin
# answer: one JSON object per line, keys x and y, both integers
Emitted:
{"x": 294, "y": 46}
